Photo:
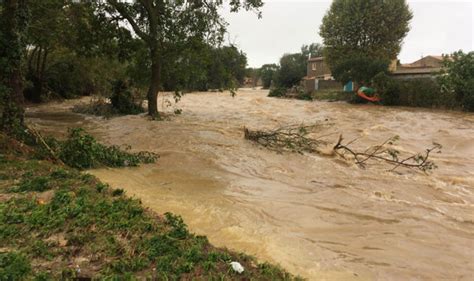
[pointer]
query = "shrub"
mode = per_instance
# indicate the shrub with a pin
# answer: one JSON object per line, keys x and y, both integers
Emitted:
{"x": 277, "y": 92}
{"x": 423, "y": 93}
{"x": 458, "y": 78}
{"x": 387, "y": 88}
{"x": 123, "y": 100}
{"x": 13, "y": 266}
{"x": 97, "y": 106}
{"x": 82, "y": 151}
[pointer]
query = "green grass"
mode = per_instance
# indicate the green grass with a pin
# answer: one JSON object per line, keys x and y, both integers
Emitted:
{"x": 332, "y": 95}
{"x": 58, "y": 223}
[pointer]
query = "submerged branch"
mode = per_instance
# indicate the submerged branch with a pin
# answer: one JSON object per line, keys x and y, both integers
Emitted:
{"x": 389, "y": 155}
{"x": 303, "y": 139}
{"x": 289, "y": 138}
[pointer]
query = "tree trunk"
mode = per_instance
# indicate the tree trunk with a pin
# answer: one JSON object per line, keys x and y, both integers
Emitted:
{"x": 154, "y": 84}
{"x": 13, "y": 24}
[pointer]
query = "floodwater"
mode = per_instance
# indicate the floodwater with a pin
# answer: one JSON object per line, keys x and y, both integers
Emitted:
{"x": 318, "y": 216}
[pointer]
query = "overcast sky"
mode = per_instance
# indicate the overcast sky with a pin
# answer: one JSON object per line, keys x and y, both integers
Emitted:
{"x": 437, "y": 27}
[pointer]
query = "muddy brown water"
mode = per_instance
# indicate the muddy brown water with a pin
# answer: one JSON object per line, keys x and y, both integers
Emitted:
{"x": 317, "y": 216}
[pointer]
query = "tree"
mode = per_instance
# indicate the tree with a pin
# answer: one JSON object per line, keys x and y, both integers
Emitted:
{"x": 458, "y": 78}
{"x": 313, "y": 50}
{"x": 163, "y": 24}
{"x": 67, "y": 38}
{"x": 227, "y": 68}
{"x": 293, "y": 67}
{"x": 13, "y": 26}
{"x": 371, "y": 30}
{"x": 360, "y": 69}
{"x": 292, "y": 70}
{"x": 267, "y": 73}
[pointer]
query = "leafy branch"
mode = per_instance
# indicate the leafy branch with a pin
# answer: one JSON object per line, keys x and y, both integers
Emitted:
{"x": 290, "y": 138}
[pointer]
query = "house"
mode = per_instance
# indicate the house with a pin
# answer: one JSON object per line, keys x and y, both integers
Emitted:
{"x": 318, "y": 76}
{"x": 426, "y": 67}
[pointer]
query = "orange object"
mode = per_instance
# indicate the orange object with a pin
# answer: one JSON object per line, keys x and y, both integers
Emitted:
{"x": 364, "y": 96}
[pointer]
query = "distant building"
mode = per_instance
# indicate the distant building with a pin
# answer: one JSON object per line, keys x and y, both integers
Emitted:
{"x": 319, "y": 75}
{"x": 426, "y": 67}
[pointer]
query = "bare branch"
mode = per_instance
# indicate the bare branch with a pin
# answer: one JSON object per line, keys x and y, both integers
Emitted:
{"x": 125, "y": 14}
{"x": 301, "y": 139}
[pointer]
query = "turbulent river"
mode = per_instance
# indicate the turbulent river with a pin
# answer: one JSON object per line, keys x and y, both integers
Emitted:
{"x": 317, "y": 216}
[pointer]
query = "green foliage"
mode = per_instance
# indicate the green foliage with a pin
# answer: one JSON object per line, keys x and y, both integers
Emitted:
{"x": 169, "y": 29}
{"x": 13, "y": 266}
{"x": 292, "y": 70}
{"x": 82, "y": 151}
{"x": 360, "y": 69}
{"x": 387, "y": 88}
{"x": 81, "y": 52}
{"x": 458, "y": 78}
{"x": 361, "y": 28}
{"x": 204, "y": 67}
{"x": 123, "y": 100}
{"x": 425, "y": 93}
{"x": 227, "y": 69}
{"x": 14, "y": 20}
{"x": 313, "y": 50}
{"x": 332, "y": 95}
{"x": 413, "y": 92}
{"x": 267, "y": 73}
{"x": 277, "y": 92}
{"x": 39, "y": 184}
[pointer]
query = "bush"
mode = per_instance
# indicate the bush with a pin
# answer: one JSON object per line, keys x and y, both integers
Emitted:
{"x": 387, "y": 88}
{"x": 413, "y": 92}
{"x": 13, "y": 266}
{"x": 458, "y": 78}
{"x": 277, "y": 92}
{"x": 123, "y": 100}
{"x": 424, "y": 93}
{"x": 82, "y": 151}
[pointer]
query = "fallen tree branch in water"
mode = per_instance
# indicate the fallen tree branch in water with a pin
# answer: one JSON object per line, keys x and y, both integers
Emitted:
{"x": 388, "y": 155}
{"x": 289, "y": 138}
{"x": 303, "y": 139}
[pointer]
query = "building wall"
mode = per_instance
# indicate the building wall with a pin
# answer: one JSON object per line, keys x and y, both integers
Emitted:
{"x": 321, "y": 71}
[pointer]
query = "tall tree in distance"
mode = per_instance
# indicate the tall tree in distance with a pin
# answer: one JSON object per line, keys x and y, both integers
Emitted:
{"x": 313, "y": 50}
{"x": 165, "y": 25}
{"x": 365, "y": 31}
{"x": 267, "y": 74}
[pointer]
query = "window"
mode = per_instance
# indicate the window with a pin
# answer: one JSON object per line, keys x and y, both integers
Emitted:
{"x": 313, "y": 66}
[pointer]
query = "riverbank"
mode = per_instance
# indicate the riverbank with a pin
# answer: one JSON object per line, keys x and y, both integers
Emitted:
{"x": 58, "y": 223}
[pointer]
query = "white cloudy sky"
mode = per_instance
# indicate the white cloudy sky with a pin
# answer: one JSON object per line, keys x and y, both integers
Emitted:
{"x": 437, "y": 27}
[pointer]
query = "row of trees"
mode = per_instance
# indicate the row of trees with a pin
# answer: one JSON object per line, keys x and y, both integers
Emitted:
{"x": 68, "y": 48}
{"x": 291, "y": 68}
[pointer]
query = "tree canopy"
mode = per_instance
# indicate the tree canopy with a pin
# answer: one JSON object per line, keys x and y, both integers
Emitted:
{"x": 373, "y": 30}
{"x": 173, "y": 26}
{"x": 293, "y": 67}
{"x": 458, "y": 78}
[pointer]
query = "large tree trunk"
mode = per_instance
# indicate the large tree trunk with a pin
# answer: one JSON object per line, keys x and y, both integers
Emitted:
{"x": 13, "y": 26}
{"x": 154, "y": 84}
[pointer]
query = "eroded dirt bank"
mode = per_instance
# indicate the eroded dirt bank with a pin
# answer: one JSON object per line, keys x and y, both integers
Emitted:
{"x": 317, "y": 216}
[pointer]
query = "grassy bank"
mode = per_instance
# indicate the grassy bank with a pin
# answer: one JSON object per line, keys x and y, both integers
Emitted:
{"x": 332, "y": 95}
{"x": 59, "y": 223}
